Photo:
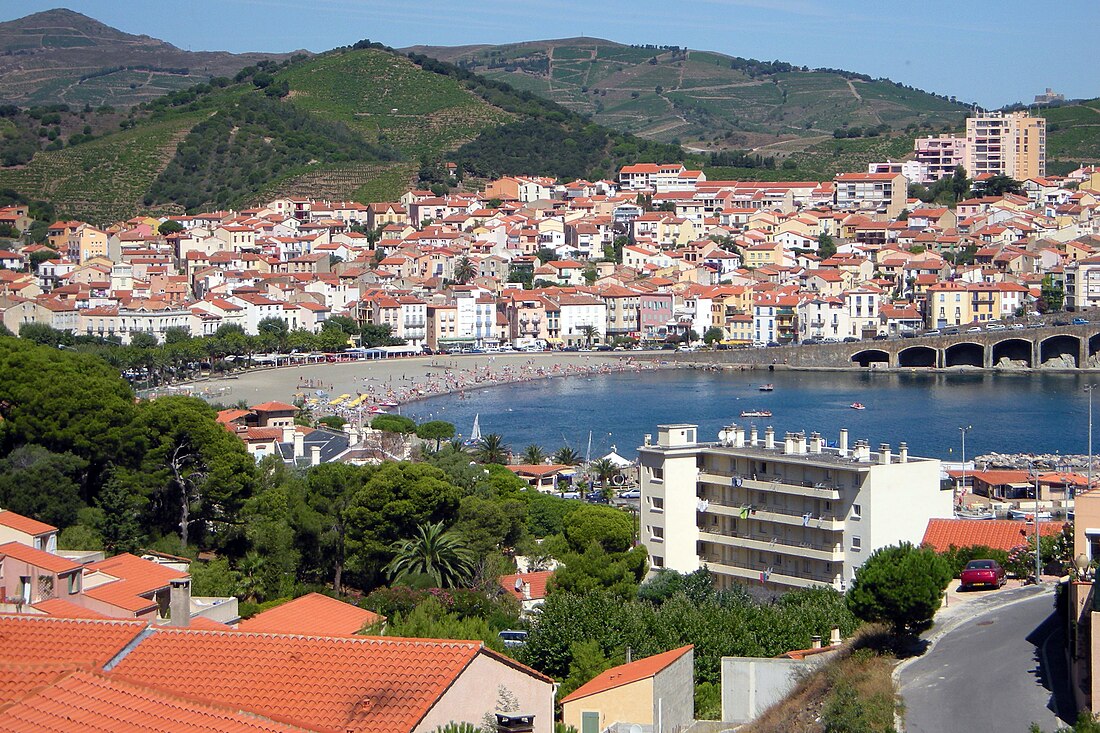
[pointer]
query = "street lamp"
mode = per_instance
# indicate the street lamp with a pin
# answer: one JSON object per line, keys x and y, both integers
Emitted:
{"x": 962, "y": 487}
{"x": 1089, "y": 388}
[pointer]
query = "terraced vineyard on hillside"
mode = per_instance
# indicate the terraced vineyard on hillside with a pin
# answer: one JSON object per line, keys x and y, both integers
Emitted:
{"x": 705, "y": 100}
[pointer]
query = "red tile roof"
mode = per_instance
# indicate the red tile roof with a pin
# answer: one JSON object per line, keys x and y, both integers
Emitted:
{"x": 536, "y": 581}
{"x": 998, "y": 534}
{"x": 349, "y": 684}
{"x": 88, "y": 702}
{"x": 60, "y": 608}
{"x": 625, "y": 674}
{"x": 19, "y": 680}
{"x": 314, "y": 615}
{"x": 24, "y": 524}
{"x": 274, "y": 407}
{"x": 50, "y": 640}
{"x": 136, "y": 578}
{"x": 37, "y": 558}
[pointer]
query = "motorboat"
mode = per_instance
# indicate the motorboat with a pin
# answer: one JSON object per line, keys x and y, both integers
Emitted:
{"x": 756, "y": 413}
{"x": 858, "y": 406}
{"x": 1028, "y": 515}
{"x": 767, "y": 387}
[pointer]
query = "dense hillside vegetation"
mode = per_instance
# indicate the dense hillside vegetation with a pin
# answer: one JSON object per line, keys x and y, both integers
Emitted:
{"x": 63, "y": 57}
{"x": 1073, "y": 134}
{"x": 705, "y": 100}
{"x": 353, "y": 123}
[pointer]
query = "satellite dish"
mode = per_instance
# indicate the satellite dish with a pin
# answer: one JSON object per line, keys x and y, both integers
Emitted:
{"x": 635, "y": 728}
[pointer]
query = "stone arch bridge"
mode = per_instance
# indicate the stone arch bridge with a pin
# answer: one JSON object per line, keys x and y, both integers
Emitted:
{"x": 1048, "y": 347}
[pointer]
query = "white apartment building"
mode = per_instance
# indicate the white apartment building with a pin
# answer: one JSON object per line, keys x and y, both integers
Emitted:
{"x": 939, "y": 156}
{"x": 577, "y": 315}
{"x": 1083, "y": 284}
{"x": 475, "y": 314}
{"x": 786, "y": 513}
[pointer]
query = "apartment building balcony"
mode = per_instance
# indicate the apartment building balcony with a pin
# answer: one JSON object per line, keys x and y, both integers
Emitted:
{"x": 774, "y": 513}
{"x": 753, "y": 573}
{"x": 829, "y": 552}
{"x": 819, "y": 490}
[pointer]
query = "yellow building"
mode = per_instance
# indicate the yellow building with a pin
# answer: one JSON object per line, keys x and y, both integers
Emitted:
{"x": 87, "y": 242}
{"x": 948, "y": 305}
{"x": 657, "y": 691}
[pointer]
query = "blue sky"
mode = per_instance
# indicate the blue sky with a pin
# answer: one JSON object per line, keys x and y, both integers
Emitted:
{"x": 993, "y": 53}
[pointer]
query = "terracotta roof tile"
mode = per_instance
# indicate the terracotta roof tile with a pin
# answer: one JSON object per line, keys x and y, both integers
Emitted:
{"x": 313, "y": 614}
{"x": 49, "y": 640}
{"x": 136, "y": 578}
{"x": 352, "y": 684}
{"x": 535, "y": 581}
{"x": 60, "y": 608}
{"x": 24, "y": 524}
{"x": 19, "y": 680}
{"x": 625, "y": 674}
{"x": 90, "y": 702}
{"x": 38, "y": 558}
{"x": 998, "y": 534}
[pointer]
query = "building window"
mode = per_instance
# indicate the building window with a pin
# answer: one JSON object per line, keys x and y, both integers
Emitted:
{"x": 657, "y": 503}
{"x": 658, "y": 533}
{"x": 857, "y": 544}
{"x": 74, "y": 584}
{"x": 657, "y": 473}
{"x": 856, "y": 511}
{"x": 658, "y": 561}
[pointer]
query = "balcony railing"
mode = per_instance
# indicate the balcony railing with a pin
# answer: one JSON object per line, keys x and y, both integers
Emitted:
{"x": 832, "y": 552}
{"x": 819, "y": 490}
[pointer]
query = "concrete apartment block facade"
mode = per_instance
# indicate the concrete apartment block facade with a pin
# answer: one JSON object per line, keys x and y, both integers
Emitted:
{"x": 786, "y": 513}
{"x": 1011, "y": 144}
{"x": 940, "y": 154}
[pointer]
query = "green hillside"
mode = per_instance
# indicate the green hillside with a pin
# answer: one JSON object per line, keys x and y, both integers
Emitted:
{"x": 708, "y": 101}
{"x": 1073, "y": 135}
{"x": 353, "y": 123}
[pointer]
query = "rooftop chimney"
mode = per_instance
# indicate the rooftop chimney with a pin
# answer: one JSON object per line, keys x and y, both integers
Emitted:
{"x": 884, "y": 453}
{"x": 815, "y": 642}
{"x": 738, "y": 436}
{"x": 288, "y": 433}
{"x": 903, "y": 452}
{"x": 863, "y": 451}
{"x": 179, "y": 602}
{"x": 800, "y": 443}
{"x": 649, "y": 438}
{"x": 843, "y": 444}
{"x": 834, "y": 636}
{"x": 788, "y": 443}
{"x": 769, "y": 437}
{"x": 815, "y": 442}
{"x": 299, "y": 444}
{"x": 315, "y": 455}
{"x": 752, "y": 436}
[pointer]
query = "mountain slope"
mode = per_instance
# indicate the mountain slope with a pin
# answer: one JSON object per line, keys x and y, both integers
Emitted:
{"x": 63, "y": 57}
{"x": 352, "y": 123}
{"x": 1073, "y": 134}
{"x": 707, "y": 100}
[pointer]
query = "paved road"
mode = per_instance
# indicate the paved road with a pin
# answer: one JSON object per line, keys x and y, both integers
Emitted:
{"x": 994, "y": 671}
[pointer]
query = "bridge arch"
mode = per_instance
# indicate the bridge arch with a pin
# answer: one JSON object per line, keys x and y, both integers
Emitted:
{"x": 1063, "y": 348}
{"x": 1013, "y": 349}
{"x": 917, "y": 356}
{"x": 1094, "y": 351}
{"x": 966, "y": 353}
{"x": 867, "y": 357}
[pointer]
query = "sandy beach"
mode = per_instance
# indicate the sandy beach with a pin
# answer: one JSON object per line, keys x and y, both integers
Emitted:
{"x": 389, "y": 383}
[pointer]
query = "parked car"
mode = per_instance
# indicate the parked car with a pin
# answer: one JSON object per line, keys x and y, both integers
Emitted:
{"x": 974, "y": 329}
{"x": 513, "y": 638}
{"x": 851, "y": 339}
{"x": 1061, "y": 322}
{"x": 605, "y": 347}
{"x": 982, "y": 573}
{"x": 810, "y": 342}
{"x": 597, "y": 497}
{"x": 1017, "y": 327}
{"x": 951, "y": 331}
{"x": 933, "y": 332}
{"x": 631, "y": 494}
{"x": 995, "y": 327}
{"x": 1080, "y": 321}
{"x": 881, "y": 337}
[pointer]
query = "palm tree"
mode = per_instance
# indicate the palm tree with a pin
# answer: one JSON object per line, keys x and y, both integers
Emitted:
{"x": 491, "y": 449}
{"x": 604, "y": 469}
{"x": 533, "y": 454}
{"x": 589, "y": 332}
{"x": 439, "y": 553}
{"x": 464, "y": 270}
{"x": 566, "y": 456}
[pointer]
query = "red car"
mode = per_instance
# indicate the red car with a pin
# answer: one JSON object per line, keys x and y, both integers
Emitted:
{"x": 982, "y": 573}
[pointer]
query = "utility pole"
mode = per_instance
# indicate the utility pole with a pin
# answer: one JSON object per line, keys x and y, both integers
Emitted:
{"x": 1088, "y": 486}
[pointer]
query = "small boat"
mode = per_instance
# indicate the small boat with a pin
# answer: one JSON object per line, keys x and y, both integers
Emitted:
{"x": 475, "y": 432}
{"x": 1028, "y": 515}
{"x": 858, "y": 406}
{"x": 767, "y": 387}
{"x": 974, "y": 514}
{"x": 756, "y": 413}
{"x": 389, "y": 404}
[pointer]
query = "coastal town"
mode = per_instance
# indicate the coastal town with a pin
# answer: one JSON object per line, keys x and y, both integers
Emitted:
{"x": 416, "y": 391}
{"x": 661, "y": 255}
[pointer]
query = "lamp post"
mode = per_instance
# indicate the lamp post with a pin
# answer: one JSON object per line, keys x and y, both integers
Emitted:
{"x": 1088, "y": 471}
{"x": 1035, "y": 517}
{"x": 962, "y": 487}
